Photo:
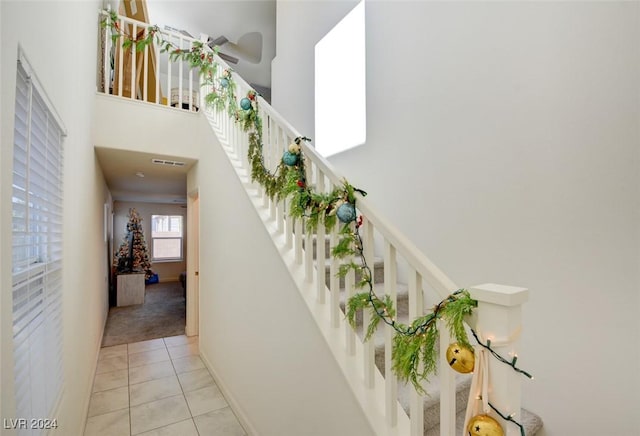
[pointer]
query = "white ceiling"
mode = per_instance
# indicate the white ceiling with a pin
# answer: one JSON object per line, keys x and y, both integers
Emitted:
{"x": 160, "y": 184}
{"x": 232, "y": 19}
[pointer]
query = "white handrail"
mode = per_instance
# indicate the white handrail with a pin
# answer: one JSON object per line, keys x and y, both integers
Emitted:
{"x": 420, "y": 268}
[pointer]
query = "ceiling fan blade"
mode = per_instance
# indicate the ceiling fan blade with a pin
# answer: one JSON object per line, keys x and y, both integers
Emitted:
{"x": 230, "y": 59}
{"x": 218, "y": 41}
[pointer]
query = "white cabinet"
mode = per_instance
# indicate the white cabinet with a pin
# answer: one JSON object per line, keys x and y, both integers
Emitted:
{"x": 130, "y": 289}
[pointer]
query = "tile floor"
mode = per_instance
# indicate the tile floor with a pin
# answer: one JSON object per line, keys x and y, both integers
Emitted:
{"x": 157, "y": 388}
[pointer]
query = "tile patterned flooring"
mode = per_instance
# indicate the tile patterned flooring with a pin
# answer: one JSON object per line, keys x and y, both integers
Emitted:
{"x": 159, "y": 387}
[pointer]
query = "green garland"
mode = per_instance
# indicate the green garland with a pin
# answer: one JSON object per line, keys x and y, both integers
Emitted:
{"x": 414, "y": 351}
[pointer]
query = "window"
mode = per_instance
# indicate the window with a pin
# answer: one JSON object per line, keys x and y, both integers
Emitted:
{"x": 340, "y": 85}
{"x": 36, "y": 249}
{"x": 166, "y": 237}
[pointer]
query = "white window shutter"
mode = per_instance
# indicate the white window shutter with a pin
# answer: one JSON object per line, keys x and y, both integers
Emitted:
{"x": 37, "y": 251}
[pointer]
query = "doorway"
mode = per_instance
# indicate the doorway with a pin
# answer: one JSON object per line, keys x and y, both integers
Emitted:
{"x": 155, "y": 186}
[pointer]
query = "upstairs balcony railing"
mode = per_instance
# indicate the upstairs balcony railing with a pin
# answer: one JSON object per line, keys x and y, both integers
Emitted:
{"x": 154, "y": 78}
{"x": 142, "y": 71}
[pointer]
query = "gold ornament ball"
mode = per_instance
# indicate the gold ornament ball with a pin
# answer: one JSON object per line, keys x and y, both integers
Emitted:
{"x": 484, "y": 425}
{"x": 461, "y": 358}
{"x": 294, "y": 148}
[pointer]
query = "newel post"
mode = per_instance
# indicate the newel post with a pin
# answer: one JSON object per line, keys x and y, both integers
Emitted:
{"x": 499, "y": 319}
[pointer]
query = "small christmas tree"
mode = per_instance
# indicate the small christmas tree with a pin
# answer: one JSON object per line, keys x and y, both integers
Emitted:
{"x": 132, "y": 256}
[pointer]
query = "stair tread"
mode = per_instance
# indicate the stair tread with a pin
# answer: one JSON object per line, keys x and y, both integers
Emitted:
{"x": 431, "y": 408}
{"x": 531, "y": 422}
{"x": 432, "y": 388}
{"x": 377, "y": 262}
{"x": 402, "y": 291}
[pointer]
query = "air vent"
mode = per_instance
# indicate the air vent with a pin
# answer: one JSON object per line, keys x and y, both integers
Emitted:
{"x": 171, "y": 163}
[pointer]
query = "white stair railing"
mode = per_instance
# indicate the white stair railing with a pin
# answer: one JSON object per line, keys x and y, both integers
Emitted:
{"x": 421, "y": 272}
{"x": 144, "y": 72}
{"x": 498, "y": 312}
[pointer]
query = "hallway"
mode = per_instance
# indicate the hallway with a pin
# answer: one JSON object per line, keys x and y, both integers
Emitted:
{"x": 157, "y": 387}
{"x": 162, "y": 314}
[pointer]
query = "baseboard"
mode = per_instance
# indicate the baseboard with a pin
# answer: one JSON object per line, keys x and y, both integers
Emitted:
{"x": 235, "y": 406}
{"x": 85, "y": 407}
{"x": 169, "y": 279}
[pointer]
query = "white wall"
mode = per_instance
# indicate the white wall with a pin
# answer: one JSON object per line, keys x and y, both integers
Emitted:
{"x": 167, "y": 271}
{"x": 129, "y": 125}
{"x": 255, "y": 330}
{"x": 503, "y": 139}
{"x": 59, "y": 39}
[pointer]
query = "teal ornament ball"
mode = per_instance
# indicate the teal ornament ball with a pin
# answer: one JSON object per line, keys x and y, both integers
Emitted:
{"x": 289, "y": 159}
{"x": 245, "y": 104}
{"x": 346, "y": 213}
{"x": 224, "y": 82}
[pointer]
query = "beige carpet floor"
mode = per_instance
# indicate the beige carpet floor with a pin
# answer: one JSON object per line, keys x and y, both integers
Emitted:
{"x": 163, "y": 314}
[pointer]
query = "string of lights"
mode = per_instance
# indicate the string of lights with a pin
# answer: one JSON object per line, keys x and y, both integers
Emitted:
{"x": 509, "y": 418}
{"x": 511, "y": 363}
{"x": 380, "y": 308}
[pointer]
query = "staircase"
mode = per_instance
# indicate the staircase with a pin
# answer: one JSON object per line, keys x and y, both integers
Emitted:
{"x": 399, "y": 270}
{"x": 321, "y": 269}
{"x": 531, "y": 422}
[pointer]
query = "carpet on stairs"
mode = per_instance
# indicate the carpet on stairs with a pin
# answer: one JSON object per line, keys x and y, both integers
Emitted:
{"x": 532, "y": 423}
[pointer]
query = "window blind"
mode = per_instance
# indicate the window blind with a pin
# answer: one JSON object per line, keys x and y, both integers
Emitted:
{"x": 166, "y": 237}
{"x": 37, "y": 251}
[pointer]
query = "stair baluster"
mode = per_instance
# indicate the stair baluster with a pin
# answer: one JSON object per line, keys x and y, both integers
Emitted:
{"x": 390, "y": 379}
{"x": 416, "y": 309}
{"x": 369, "y": 346}
{"x": 321, "y": 288}
{"x": 334, "y": 281}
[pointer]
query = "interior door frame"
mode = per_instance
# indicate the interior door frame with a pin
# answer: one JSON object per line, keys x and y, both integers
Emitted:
{"x": 193, "y": 264}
